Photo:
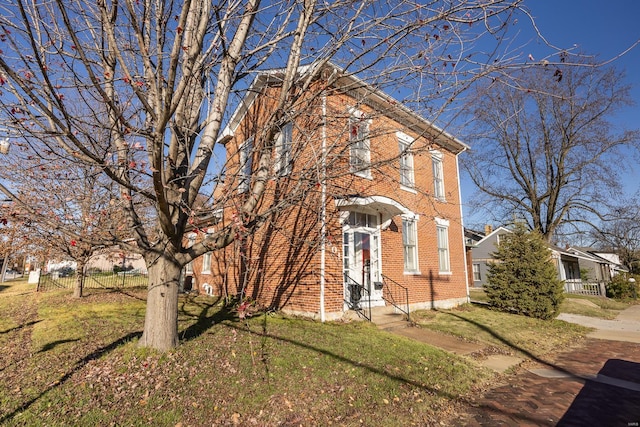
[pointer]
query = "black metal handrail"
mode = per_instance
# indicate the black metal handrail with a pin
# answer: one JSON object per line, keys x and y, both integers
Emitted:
{"x": 390, "y": 295}
{"x": 356, "y": 289}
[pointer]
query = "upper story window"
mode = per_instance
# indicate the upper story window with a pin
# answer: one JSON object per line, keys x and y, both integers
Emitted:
{"x": 406, "y": 160}
{"x": 206, "y": 263}
{"x": 246, "y": 164}
{"x": 191, "y": 240}
{"x": 284, "y": 140}
{"x": 359, "y": 144}
{"x": 438, "y": 175}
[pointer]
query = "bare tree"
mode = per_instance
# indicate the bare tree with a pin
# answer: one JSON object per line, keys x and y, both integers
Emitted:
{"x": 545, "y": 149}
{"x": 141, "y": 90}
{"x": 619, "y": 231}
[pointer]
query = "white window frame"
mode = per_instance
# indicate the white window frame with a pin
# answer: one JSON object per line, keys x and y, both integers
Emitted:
{"x": 410, "y": 244}
{"x": 407, "y": 174}
{"x": 437, "y": 163}
{"x": 359, "y": 143}
{"x": 206, "y": 263}
{"x": 283, "y": 144}
{"x": 442, "y": 237}
{"x": 477, "y": 277}
{"x": 246, "y": 165}
{"x": 191, "y": 240}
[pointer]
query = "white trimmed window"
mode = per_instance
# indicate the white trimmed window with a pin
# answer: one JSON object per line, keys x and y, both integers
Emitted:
{"x": 406, "y": 160}
{"x": 442, "y": 232}
{"x": 284, "y": 139}
{"x": 246, "y": 164}
{"x": 409, "y": 242}
{"x": 476, "y": 273}
{"x": 359, "y": 144}
{"x": 206, "y": 263}
{"x": 191, "y": 240}
{"x": 438, "y": 175}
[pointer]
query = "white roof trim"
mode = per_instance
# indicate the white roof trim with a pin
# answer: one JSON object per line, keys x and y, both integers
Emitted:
{"x": 349, "y": 82}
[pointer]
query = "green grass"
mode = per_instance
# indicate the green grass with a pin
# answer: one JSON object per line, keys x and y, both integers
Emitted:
{"x": 513, "y": 333}
{"x": 76, "y": 362}
{"x": 584, "y": 305}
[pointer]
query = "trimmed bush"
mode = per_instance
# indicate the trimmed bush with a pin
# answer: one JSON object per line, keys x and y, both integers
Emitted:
{"x": 524, "y": 279}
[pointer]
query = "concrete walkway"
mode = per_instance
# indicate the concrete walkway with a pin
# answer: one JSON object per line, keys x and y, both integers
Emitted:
{"x": 385, "y": 318}
{"x": 625, "y": 327}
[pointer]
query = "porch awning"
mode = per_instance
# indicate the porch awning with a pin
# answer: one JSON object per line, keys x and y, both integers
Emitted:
{"x": 386, "y": 207}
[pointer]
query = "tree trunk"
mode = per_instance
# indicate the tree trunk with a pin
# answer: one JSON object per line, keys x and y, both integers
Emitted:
{"x": 161, "y": 319}
{"x": 77, "y": 290}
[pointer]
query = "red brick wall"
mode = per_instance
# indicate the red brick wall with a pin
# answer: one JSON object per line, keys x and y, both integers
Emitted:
{"x": 281, "y": 261}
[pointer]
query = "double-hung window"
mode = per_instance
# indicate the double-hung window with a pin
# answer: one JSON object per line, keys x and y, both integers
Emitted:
{"x": 476, "y": 273}
{"x": 442, "y": 233}
{"x": 191, "y": 240}
{"x": 246, "y": 164}
{"x": 409, "y": 242}
{"x": 438, "y": 175}
{"x": 284, "y": 139}
{"x": 406, "y": 160}
{"x": 206, "y": 263}
{"x": 359, "y": 144}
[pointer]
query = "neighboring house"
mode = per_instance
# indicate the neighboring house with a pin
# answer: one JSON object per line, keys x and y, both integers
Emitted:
{"x": 393, "y": 232}
{"x": 572, "y": 264}
{"x": 598, "y": 266}
{"x": 482, "y": 252}
{"x": 106, "y": 260}
{"x": 568, "y": 266}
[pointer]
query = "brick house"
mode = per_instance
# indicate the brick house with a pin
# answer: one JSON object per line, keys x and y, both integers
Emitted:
{"x": 363, "y": 208}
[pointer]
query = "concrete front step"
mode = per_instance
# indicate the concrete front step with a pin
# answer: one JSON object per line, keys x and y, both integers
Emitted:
{"x": 388, "y": 318}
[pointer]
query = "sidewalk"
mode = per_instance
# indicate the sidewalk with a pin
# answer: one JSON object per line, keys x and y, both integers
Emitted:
{"x": 596, "y": 384}
{"x": 625, "y": 327}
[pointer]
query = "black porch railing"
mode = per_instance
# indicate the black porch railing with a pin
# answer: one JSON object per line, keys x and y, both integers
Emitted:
{"x": 396, "y": 295}
{"x": 356, "y": 292}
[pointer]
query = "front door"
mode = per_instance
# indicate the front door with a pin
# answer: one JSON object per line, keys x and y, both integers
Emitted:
{"x": 361, "y": 255}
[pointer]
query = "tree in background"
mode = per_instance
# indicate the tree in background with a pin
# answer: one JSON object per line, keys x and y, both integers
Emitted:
{"x": 524, "y": 279}
{"x": 619, "y": 232}
{"x": 140, "y": 91}
{"x": 545, "y": 149}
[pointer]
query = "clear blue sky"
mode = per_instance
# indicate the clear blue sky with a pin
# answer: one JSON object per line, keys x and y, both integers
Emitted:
{"x": 598, "y": 27}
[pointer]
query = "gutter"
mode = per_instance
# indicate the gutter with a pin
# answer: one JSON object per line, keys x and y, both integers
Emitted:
{"x": 466, "y": 271}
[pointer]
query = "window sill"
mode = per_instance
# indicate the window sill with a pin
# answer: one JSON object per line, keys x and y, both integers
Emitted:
{"x": 361, "y": 174}
{"x": 445, "y": 273}
{"x": 412, "y": 273}
{"x": 408, "y": 189}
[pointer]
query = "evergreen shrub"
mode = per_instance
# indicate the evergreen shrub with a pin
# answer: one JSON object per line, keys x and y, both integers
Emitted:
{"x": 523, "y": 279}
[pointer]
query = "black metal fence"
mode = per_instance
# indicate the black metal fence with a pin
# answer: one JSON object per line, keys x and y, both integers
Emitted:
{"x": 94, "y": 280}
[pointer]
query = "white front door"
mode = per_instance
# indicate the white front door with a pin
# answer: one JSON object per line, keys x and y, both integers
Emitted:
{"x": 361, "y": 256}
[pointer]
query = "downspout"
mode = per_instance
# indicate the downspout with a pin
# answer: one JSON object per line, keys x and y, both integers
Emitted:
{"x": 464, "y": 246}
{"x": 323, "y": 207}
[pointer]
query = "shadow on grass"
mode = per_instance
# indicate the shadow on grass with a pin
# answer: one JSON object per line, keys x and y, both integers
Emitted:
{"x": 211, "y": 311}
{"x": 507, "y": 342}
{"x": 79, "y": 365}
{"x": 356, "y": 363}
{"x": 52, "y": 345}
{"x": 24, "y": 325}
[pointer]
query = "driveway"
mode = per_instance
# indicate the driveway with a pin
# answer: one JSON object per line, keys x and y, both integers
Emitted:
{"x": 595, "y": 384}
